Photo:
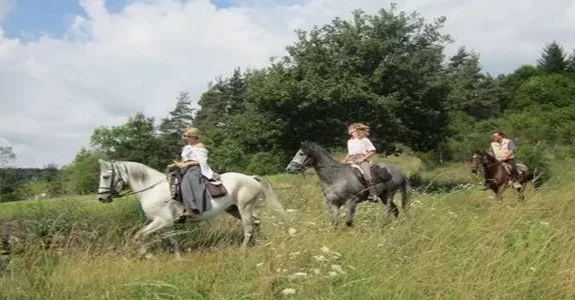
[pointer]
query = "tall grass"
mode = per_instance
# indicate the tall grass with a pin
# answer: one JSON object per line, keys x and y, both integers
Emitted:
{"x": 455, "y": 244}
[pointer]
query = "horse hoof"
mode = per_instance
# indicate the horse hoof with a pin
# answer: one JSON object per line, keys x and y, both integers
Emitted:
{"x": 349, "y": 223}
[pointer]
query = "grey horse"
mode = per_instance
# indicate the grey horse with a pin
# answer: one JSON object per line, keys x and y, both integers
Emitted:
{"x": 343, "y": 184}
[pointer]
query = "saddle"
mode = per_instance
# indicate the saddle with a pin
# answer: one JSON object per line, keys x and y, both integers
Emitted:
{"x": 521, "y": 168}
{"x": 214, "y": 187}
{"x": 379, "y": 174}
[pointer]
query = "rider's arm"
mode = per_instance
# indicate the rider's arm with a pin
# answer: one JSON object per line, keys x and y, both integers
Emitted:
{"x": 510, "y": 148}
{"x": 370, "y": 149}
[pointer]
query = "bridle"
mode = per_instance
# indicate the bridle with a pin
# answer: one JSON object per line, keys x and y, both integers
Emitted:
{"x": 113, "y": 192}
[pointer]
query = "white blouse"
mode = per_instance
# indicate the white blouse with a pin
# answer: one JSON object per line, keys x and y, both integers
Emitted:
{"x": 359, "y": 146}
{"x": 199, "y": 155}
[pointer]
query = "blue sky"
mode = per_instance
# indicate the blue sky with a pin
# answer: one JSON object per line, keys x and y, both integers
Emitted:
{"x": 58, "y": 89}
{"x": 28, "y": 18}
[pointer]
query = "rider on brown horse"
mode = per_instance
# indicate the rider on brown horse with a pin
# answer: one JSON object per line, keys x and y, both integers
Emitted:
{"x": 503, "y": 149}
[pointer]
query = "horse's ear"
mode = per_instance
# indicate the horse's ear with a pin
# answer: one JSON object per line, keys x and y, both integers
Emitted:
{"x": 102, "y": 162}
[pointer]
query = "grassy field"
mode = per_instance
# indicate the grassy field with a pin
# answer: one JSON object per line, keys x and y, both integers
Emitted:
{"x": 457, "y": 243}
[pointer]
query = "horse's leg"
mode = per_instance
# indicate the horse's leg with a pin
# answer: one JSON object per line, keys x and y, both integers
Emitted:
{"x": 352, "y": 206}
{"x": 171, "y": 237}
{"x": 404, "y": 198}
{"x": 500, "y": 191}
{"x": 154, "y": 226}
{"x": 233, "y": 210}
{"x": 392, "y": 208}
{"x": 246, "y": 212}
{"x": 334, "y": 210}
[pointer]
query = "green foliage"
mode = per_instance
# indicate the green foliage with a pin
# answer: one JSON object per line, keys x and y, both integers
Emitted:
{"x": 172, "y": 127}
{"x": 6, "y": 156}
{"x": 534, "y": 156}
{"x": 553, "y": 59}
{"x": 137, "y": 140}
{"x": 82, "y": 175}
{"x": 548, "y": 91}
{"x": 264, "y": 163}
{"x": 472, "y": 92}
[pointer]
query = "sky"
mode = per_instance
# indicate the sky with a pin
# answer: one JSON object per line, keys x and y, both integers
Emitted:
{"x": 70, "y": 66}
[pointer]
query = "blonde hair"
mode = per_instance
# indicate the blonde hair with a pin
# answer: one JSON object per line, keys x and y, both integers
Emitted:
{"x": 362, "y": 129}
{"x": 192, "y": 132}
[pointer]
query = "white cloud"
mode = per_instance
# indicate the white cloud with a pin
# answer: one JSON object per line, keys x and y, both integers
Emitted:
{"x": 107, "y": 67}
{"x": 4, "y": 8}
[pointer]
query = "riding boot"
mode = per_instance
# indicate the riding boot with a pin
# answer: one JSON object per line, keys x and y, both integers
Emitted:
{"x": 373, "y": 197}
{"x": 515, "y": 178}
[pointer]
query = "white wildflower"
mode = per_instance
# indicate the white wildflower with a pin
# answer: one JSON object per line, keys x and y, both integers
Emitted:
{"x": 296, "y": 275}
{"x": 319, "y": 257}
{"x": 291, "y": 231}
{"x": 294, "y": 254}
{"x": 316, "y": 271}
{"x": 532, "y": 269}
{"x": 288, "y": 291}
{"x": 337, "y": 268}
{"x": 289, "y": 210}
{"x": 259, "y": 265}
{"x": 332, "y": 273}
{"x": 546, "y": 224}
{"x": 325, "y": 249}
{"x": 280, "y": 270}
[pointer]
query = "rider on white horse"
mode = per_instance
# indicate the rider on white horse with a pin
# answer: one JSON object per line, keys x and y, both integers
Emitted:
{"x": 195, "y": 173}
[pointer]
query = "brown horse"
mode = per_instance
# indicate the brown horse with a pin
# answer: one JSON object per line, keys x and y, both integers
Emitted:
{"x": 497, "y": 177}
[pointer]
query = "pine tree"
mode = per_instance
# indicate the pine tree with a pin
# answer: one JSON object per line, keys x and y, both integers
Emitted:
{"x": 553, "y": 59}
{"x": 172, "y": 127}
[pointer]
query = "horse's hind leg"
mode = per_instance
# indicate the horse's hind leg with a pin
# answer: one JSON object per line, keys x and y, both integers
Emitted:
{"x": 248, "y": 223}
{"x": 352, "y": 206}
{"x": 233, "y": 210}
{"x": 171, "y": 237}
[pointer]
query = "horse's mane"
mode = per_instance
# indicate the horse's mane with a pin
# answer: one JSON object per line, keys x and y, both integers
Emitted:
{"x": 317, "y": 148}
{"x": 140, "y": 171}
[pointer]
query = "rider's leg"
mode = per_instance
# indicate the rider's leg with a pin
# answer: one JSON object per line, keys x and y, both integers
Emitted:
{"x": 514, "y": 173}
{"x": 365, "y": 167}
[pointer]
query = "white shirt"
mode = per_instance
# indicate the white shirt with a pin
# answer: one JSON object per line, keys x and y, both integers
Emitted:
{"x": 359, "y": 146}
{"x": 199, "y": 155}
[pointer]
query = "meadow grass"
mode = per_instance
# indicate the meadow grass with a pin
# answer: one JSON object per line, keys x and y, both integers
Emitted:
{"x": 456, "y": 244}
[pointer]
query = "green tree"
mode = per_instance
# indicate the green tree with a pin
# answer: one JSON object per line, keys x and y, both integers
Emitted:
{"x": 137, "y": 140}
{"x": 549, "y": 91}
{"x": 472, "y": 92}
{"x": 172, "y": 127}
{"x": 511, "y": 82}
{"x": 383, "y": 69}
{"x": 6, "y": 156}
{"x": 553, "y": 59}
{"x": 82, "y": 175}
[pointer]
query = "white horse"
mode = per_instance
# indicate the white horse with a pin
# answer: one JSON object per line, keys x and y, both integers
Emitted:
{"x": 151, "y": 187}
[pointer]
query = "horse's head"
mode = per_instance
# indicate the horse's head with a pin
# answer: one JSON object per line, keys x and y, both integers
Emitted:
{"x": 111, "y": 181}
{"x": 303, "y": 158}
{"x": 478, "y": 159}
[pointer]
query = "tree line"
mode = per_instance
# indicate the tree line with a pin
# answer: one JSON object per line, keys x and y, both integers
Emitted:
{"x": 388, "y": 70}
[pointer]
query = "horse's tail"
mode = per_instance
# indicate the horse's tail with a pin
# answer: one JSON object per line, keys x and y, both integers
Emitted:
{"x": 272, "y": 197}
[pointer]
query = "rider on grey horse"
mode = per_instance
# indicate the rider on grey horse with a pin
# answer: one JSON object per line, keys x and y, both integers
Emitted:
{"x": 360, "y": 149}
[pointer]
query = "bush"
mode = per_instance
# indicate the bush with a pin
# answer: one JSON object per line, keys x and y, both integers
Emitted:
{"x": 266, "y": 163}
{"x": 534, "y": 157}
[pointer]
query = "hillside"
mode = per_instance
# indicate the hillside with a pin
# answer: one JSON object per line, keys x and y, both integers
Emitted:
{"x": 454, "y": 245}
